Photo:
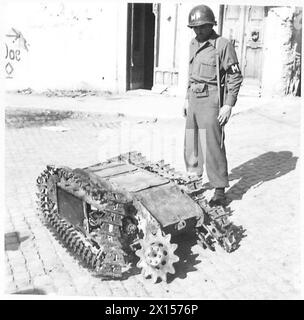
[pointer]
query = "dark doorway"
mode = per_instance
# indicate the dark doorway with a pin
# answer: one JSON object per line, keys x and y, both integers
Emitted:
{"x": 140, "y": 46}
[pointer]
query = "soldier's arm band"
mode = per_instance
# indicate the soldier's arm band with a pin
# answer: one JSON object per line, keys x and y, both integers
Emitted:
{"x": 233, "y": 68}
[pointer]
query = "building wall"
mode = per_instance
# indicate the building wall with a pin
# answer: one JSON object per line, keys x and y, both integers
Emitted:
{"x": 283, "y": 30}
{"x": 65, "y": 45}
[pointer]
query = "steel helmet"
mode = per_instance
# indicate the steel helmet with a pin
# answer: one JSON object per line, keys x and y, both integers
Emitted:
{"x": 200, "y": 15}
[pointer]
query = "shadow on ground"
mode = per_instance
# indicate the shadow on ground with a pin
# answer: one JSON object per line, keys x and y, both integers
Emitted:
{"x": 18, "y": 118}
{"x": 24, "y": 118}
{"x": 187, "y": 260}
{"x": 253, "y": 173}
{"x": 34, "y": 291}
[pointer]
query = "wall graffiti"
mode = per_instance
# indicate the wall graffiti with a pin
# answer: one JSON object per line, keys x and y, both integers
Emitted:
{"x": 15, "y": 43}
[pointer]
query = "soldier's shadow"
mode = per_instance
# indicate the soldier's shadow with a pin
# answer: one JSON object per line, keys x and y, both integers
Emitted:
{"x": 253, "y": 173}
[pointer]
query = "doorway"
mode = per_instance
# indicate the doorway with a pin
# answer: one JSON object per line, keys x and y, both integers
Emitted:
{"x": 140, "y": 46}
{"x": 245, "y": 25}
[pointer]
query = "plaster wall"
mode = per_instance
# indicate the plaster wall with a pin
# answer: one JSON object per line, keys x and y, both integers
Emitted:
{"x": 65, "y": 45}
{"x": 280, "y": 47}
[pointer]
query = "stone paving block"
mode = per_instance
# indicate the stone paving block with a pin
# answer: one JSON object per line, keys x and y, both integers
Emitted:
{"x": 65, "y": 288}
{"x": 29, "y": 249}
{"x": 117, "y": 289}
{"x": 84, "y": 285}
{"x": 22, "y": 281}
{"x": 15, "y": 257}
{"x": 141, "y": 286}
{"x": 66, "y": 291}
{"x": 285, "y": 287}
{"x": 16, "y": 216}
{"x": 42, "y": 234}
{"x": 10, "y": 287}
{"x": 103, "y": 290}
{"x": 35, "y": 268}
{"x": 42, "y": 281}
{"x": 132, "y": 288}
{"x": 85, "y": 291}
{"x": 19, "y": 268}
{"x": 8, "y": 227}
{"x": 151, "y": 291}
{"x": 33, "y": 219}
{"x": 50, "y": 263}
{"x": 9, "y": 278}
{"x": 234, "y": 294}
{"x": 44, "y": 244}
{"x": 8, "y": 270}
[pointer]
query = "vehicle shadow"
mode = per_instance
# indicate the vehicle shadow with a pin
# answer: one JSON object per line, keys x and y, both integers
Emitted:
{"x": 187, "y": 259}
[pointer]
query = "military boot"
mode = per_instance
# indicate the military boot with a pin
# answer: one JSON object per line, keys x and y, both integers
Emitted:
{"x": 219, "y": 198}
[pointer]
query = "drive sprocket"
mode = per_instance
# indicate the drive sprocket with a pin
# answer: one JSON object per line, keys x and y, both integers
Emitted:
{"x": 157, "y": 256}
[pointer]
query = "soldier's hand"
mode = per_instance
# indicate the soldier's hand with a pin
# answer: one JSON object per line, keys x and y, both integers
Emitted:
{"x": 224, "y": 114}
{"x": 185, "y": 108}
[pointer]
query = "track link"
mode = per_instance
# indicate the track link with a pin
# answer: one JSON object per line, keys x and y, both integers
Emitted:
{"x": 105, "y": 257}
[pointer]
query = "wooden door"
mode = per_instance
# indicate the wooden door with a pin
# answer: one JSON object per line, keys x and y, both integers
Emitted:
{"x": 245, "y": 25}
{"x": 140, "y": 51}
{"x": 253, "y": 44}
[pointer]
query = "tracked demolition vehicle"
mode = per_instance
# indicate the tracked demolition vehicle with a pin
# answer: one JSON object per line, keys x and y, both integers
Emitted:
{"x": 127, "y": 205}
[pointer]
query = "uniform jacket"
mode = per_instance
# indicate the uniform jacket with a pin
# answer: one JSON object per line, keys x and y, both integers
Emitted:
{"x": 202, "y": 65}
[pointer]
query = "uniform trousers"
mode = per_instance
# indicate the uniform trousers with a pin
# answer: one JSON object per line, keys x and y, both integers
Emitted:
{"x": 202, "y": 143}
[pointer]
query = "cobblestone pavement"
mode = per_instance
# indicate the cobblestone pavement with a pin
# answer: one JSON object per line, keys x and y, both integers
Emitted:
{"x": 263, "y": 153}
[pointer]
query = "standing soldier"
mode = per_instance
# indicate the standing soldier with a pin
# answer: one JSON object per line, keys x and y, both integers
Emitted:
{"x": 212, "y": 63}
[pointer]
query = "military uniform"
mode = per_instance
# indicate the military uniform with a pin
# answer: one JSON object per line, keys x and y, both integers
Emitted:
{"x": 203, "y": 134}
